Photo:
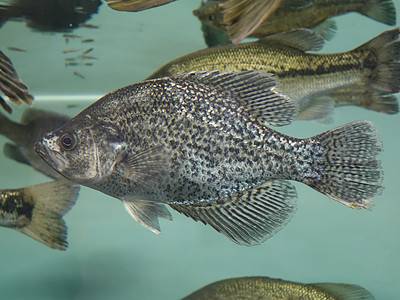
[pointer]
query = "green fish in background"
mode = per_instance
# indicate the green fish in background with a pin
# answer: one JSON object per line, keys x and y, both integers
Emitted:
{"x": 264, "y": 288}
{"x": 37, "y": 211}
{"x": 201, "y": 144}
{"x": 295, "y": 14}
{"x": 11, "y": 86}
{"x": 34, "y": 123}
{"x": 240, "y": 17}
{"x": 367, "y": 76}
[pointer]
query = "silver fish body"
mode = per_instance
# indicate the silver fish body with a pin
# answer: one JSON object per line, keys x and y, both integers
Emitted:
{"x": 199, "y": 142}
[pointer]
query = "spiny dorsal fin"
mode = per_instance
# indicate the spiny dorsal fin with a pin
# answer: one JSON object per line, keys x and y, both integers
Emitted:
{"x": 253, "y": 90}
{"x": 301, "y": 39}
{"x": 147, "y": 213}
{"x": 250, "y": 217}
{"x": 341, "y": 291}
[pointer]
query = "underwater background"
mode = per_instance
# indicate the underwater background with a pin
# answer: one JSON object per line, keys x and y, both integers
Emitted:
{"x": 112, "y": 257}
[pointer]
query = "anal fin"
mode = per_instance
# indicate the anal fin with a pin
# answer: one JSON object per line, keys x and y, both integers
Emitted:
{"x": 316, "y": 108}
{"x": 250, "y": 217}
{"x": 147, "y": 213}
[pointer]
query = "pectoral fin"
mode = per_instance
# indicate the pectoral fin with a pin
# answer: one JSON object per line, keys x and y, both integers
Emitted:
{"x": 147, "y": 213}
{"x": 250, "y": 217}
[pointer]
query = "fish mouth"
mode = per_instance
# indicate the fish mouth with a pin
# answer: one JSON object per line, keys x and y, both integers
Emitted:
{"x": 52, "y": 158}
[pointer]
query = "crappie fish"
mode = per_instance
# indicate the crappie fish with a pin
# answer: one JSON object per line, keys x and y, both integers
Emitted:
{"x": 50, "y": 15}
{"x": 264, "y": 288}
{"x": 37, "y": 211}
{"x": 368, "y": 75}
{"x": 11, "y": 85}
{"x": 199, "y": 142}
{"x": 294, "y": 14}
{"x": 240, "y": 17}
{"x": 34, "y": 124}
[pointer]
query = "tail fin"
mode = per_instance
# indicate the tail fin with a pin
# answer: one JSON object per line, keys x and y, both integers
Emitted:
{"x": 382, "y": 11}
{"x": 383, "y": 61}
{"x": 51, "y": 202}
{"x": 347, "y": 168}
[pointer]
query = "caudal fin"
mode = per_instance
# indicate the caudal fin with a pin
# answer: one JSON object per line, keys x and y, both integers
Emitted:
{"x": 51, "y": 202}
{"x": 383, "y": 61}
{"x": 347, "y": 167}
{"x": 382, "y": 11}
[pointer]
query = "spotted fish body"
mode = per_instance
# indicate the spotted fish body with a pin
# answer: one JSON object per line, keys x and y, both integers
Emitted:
{"x": 264, "y": 288}
{"x": 199, "y": 143}
{"x": 313, "y": 80}
{"x": 15, "y": 208}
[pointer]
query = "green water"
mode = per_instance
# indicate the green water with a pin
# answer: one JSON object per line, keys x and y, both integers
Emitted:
{"x": 112, "y": 257}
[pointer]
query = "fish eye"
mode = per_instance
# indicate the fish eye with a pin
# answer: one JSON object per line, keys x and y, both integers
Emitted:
{"x": 68, "y": 141}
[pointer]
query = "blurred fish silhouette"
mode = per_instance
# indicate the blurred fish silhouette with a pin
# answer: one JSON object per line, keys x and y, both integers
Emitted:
{"x": 264, "y": 288}
{"x": 34, "y": 123}
{"x": 240, "y": 17}
{"x": 11, "y": 85}
{"x": 38, "y": 211}
{"x": 294, "y": 14}
{"x": 50, "y": 15}
{"x": 367, "y": 76}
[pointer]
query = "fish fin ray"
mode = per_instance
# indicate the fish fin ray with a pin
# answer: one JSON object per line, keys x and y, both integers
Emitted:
{"x": 242, "y": 17}
{"x": 51, "y": 202}
{"x": 326, "y": 29}
{"x": 348, "y": 169}
{"x": 147, "y": 213}
{"x": 135, "y": 5}
{"x": 250, "y": 217}
{"x": 382, "y": 11}
{"x": 301, "y": 39}
{"x": 342, "y": 291}
{"x": 214, "y": 36}
{"x": 317, "y": 108}
{"x": 255, "y": 91}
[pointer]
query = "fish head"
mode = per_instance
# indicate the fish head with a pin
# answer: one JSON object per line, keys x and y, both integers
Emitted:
{"x": 209, "y": 13}
{"x": 82, "y": 154}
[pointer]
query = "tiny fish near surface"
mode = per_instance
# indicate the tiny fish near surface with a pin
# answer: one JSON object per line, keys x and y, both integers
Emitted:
{"x": 200, "y": 143}
{"x": 264, "y": 288}
{"x": 37, "y": 211}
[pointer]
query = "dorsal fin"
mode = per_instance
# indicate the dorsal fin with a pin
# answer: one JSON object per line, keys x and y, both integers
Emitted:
{"x": 254, "y": 90}
{"x": 342, "y": 291}
{"x": 301, "y": 39}
{"x": 33, "y": 114}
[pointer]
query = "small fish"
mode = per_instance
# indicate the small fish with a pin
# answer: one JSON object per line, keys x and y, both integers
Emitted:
{"x": 71, "y": 64}
{"x": 264, "y": 288}
{"x": 37, "y": 211}
{"x": 313, "y": 80}
{"x": 22, "y": 135}
{"x": 87, "y": 51}
{"x": 295, "y": 14}
{"x": 70, "y": 59}
{"x": 77, "y": 74}
{"x": 90, "y": 26}
{"x": 88, "y": 64}
{"x": 71, "y": 50}
{"x": 201, "y": 143}
{"x": 88, "y": 57}
{"x": 87, "y": 41}
{"x": 16, "y": 49}
{"x": 49, "y": 15}
{"x": 71, "y": 36}
{"x": 11, "y": 86}
{"x": 240, "y": 17}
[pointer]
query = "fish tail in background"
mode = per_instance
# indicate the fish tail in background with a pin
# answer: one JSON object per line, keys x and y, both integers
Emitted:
{"x": 51, "y": 202}
{"x": 345, "y": 166}
{"x": 4, "y": 13}
{"x": 382, "y": 11}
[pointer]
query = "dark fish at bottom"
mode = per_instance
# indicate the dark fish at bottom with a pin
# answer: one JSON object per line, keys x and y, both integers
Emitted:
{"x": 264, "y": 288}
{"x": 199, "y": 143}
{"x": 37, "y": 211}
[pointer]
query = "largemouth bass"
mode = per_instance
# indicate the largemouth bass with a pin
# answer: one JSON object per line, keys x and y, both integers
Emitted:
{"x": 37, "y": 211}
{"x": 295, "y": 14}
{"x": 264, "y": 288}
{"x": 200, "y": 143}
{"x": 316, "y": 81}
